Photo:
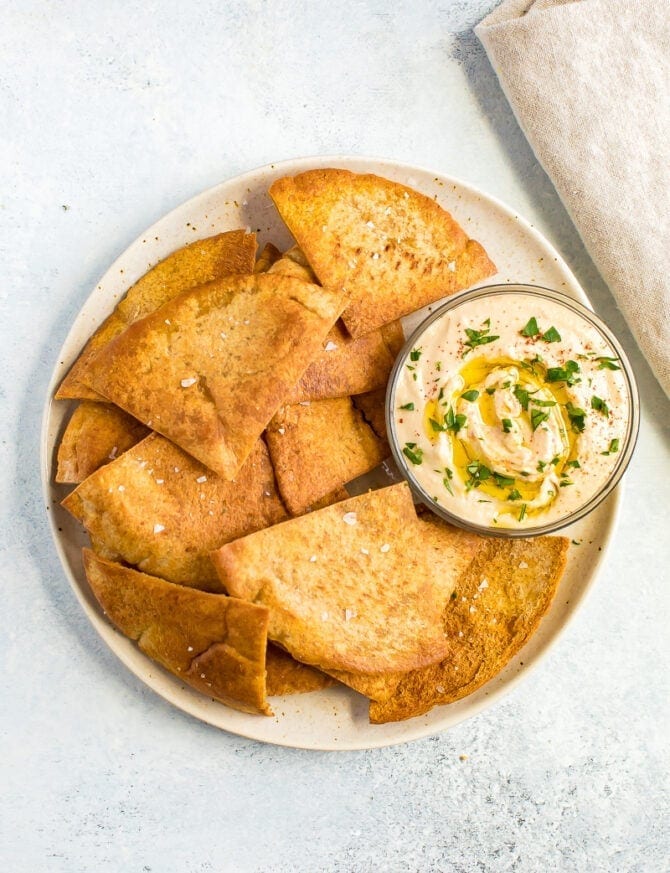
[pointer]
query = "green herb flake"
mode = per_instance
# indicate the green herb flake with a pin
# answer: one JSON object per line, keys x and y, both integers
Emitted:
{"x": 479, "y": 337}
{"x": 565, "y": 482}
{"x": 613, "y": 447}
{"x": 415, "y": 354}
{"x": 436, "y": 425}
{"x": 599, "y": 404}
{"x": 490, "y": 391}
{"x": 574, "y": 463}
{"x": 471, "y": 395}
{"x": 453, "y": 421}
{"x": 438, "y": 366}
{"x": 537, "y": 417}
{"x": 478, "y": 474}
{"x": 607, "y": 363}
{"x": 413, "y": 452}
{"x": 503, "y": 481}
{"x": 408, "y": 406}
{"x": 522, "y": 514}
{"x": 531, "y": 328}
{"x": 551, "y": 336}
{"x": 541, "y": 465}
{"x": 522, "y": 396}
{"x": 514, "y": 495}
{"x": 545, "y": 403}
{"x": 577, "y": 417}
{"x": 567, "y": 374}
{"x": 507, "y": 425}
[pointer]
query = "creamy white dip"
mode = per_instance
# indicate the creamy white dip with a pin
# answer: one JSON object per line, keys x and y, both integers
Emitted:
{"x": 511, "y": 410}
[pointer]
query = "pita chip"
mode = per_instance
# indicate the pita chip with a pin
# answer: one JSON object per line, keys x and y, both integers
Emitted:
{"x": 199, "y": 262}
{"x": 498, "y": 604}
{"x": 96, "y": 434}
{"x": 285, "y": 675}
{"x": 209, "y": 369}
{"x": 349, "y": 587}
{"x": 315, "y": 448}
{"x": 158, "y": 509}
{"x": 214, "y": 643}
{"x": 393, "y": 249}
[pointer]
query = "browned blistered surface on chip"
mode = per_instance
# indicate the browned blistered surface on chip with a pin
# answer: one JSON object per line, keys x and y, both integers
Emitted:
{"x": 96, "y": 434}
{"x": 199, "y": 262}
{"x": 214, "y": 643}
{"x": 209, "y": 369}
{"x": 497, "y": 606}
{"x": 161, "y": 511}
{"x": 317, "y": 447}
{"x": 350, "y": 587}
{"x": 393, "y": 249}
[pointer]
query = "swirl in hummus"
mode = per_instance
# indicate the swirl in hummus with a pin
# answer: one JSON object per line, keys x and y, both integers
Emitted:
{"x": 511, "y": 410}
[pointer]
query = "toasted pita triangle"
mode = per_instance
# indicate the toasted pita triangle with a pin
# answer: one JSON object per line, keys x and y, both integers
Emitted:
{"x": 349, "y": 587}
{"x": 499, "y": 602}
{"x": 163, "y": 512}
{"x": 209, "y": 368}
{"x": 197, "y": 263}
{"x": 285, "y": 675}
{"x": 393, "y": 249}
{"x": 95, "y": 435}
{"x": 214, "y": 643}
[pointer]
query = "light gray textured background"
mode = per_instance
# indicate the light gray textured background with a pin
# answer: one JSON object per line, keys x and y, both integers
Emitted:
{"x": 112, "y": 113}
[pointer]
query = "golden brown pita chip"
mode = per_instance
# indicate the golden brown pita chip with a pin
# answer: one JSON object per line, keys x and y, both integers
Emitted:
{"x": 285, "y": 675}
{"x": 293, "y": 263}
{"x": 161, "y": 511}
{"x": 212, "y": 642}
{"x": 350, "y": 587}
{"x": 346, "y": 366}
{"x": 267, "y": 257}
{"x": 197, "y": 263}
{"x": 96, "y": 434}
{"x": 498, "y": 604}
{"x": 317, "y": 447}
{"x": 393, "y": 249}
{"x": 209, "y": 369}
{"x": 372, "y": 405}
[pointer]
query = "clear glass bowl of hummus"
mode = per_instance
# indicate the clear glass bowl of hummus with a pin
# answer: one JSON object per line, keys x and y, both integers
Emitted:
{"x": 512, "y": 410}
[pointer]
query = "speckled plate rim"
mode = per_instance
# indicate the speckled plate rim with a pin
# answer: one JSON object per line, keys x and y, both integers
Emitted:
{"x": 334, "y": 719}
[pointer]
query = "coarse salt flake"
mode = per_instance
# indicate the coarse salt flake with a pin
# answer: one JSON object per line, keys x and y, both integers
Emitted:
{"x": 523, "y": 565}
{"x": 369, "y": 224}
{"x": 112, "y": 454}
{"x": 186, "y": 383}
{"x": 160, "y": 481}
{"x": 349, "y": 518}
{"x": 281, "y": 430}
{"x": 472, "y": 609}
{"x": 330, "y": 346}
{"x": 451, "y": 266}
{"x": 159, "y": 528}
{"x": 312, "y": 560}
{"x": 483, "y": 584}
{"x": 223, "y": 335}
{"x": 167, "y": 321}
{"x": 189, "y": 649}
{"x": 365, "y": 551}
{"x": 201, "y": 479}
{"x": 324, "y": 616}
{"x": 122, "y": 487}
{"x": 439, "y": 689}
{"x": 375, "y": 257}
{"x": 305, "y": 403}
{"x": 349, "y": 614}
{"x": 385, "y": 548}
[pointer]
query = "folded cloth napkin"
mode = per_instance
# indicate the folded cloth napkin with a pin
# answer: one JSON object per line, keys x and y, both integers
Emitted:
{"x": 589, "y": 83}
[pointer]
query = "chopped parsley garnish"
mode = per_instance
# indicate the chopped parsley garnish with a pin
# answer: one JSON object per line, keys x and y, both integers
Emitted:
{"x": 454, "y": 421}
{"x": 537, "y": 417}
{"x": 577, "y": 417}
{"x": 541, "y": 465}
{"x": 607, "y": 363}
{"x": 567, "y": 374}
{"x": 507, "y": 425}
{"x": 478, "y": 474}
{"x": 613, "y": 447}
{"x": 522, "y": 396}
{"x": 415, "y": 354}
{"x": 438, "y": 366}
{"x": 479, "y": 337}
{"x": 555, "y": 460}
{"x": 551, "y": 336}
{"x": 413, "y": 452}
{"x": 575, "y": 463}
{"x": 408, "y": 406}
{"x": 490, "y": 391}
{"x": 543, "y": 402}
{"x": 531, "y": 329}
{"x": 514, "y": 495}
{"x": 471, "y": 395}
{"x": 600, "y": 405}
{"x": 446, "y": 482}
{"x": 522, "y": 514}
{"x": 503, "y": 481}
{"x": 440, "y": 395}
{"x": 565, "y": 482}
{"x": 436, "y": 425}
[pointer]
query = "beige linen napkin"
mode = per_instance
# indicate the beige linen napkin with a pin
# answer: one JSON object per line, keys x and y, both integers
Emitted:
{"x": 589, "y": 82}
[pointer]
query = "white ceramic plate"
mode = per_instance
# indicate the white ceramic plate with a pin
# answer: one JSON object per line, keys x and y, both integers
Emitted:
{"x": 335, "y": 718}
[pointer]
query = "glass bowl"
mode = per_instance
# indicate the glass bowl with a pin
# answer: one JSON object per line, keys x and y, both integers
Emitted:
{"x": 562, "y": 378}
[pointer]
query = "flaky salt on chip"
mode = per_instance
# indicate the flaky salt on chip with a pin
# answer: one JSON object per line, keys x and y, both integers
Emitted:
{"x": 209, "y": 369}
{"x": 161, "y": 511}
{"x": 497, "y": 606}
{"x": 317, "y": 447}
{"x": 392, "y": 248}
{"x": 214, "y": 643}
{"x": 199, "y": 262}
{"x": 96, "y": 434}
{"x": 349, "y": 587}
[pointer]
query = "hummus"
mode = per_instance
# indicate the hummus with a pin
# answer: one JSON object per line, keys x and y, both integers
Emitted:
{"x": 510, "y": 410}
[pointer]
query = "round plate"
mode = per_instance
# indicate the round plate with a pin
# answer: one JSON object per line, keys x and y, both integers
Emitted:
{"x": 337, "y": 717}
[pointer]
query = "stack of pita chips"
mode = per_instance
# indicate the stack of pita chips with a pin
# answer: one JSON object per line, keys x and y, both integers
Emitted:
{"x": 225, "y": 404}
